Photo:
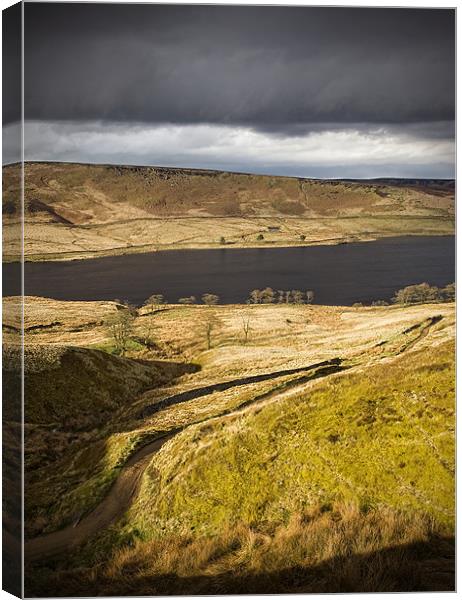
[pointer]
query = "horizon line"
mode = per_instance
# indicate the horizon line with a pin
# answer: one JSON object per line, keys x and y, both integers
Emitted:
{"x": 250, "y": 173}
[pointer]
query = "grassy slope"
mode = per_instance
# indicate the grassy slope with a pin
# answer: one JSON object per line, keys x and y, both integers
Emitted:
{"x": 347, "y": 486}
{"x": 70, "y": 396}
{"x": 95, "y": 384}
{"x": 380, "y": 437}
{"x": 79, "y": 210}
{"x": 258, "y": 476}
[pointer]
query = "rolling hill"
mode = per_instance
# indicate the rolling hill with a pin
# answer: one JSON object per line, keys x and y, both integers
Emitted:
{"x": 316, "y": 455}
{"x": 79, "y": 210}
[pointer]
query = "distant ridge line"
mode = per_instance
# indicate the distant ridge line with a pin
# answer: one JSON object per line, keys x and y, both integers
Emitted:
{"x": 196, "y": 170}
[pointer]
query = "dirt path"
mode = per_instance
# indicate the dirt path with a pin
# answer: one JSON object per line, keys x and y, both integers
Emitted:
{"x": 112, "y": 507}
{"x": 126, "y": 486}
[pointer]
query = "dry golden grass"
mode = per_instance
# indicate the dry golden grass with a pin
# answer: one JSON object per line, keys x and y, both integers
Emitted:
{"x": 338, "y": 550}
{"x": 281, "y": 336}
{"x": 315, "y": 333}
{"x": 344, "y": 543}
{"x": 80, "y": 211}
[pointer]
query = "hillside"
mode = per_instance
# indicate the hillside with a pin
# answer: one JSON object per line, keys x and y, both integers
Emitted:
{"x": 316, "y": 455}
{"x": 78, "y": 211}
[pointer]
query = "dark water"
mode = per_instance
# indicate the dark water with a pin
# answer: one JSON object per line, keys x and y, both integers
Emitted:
{"x": 344, "y": 274}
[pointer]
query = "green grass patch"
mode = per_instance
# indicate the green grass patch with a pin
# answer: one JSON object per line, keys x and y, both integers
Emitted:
{"x": 384, "y": 437}
{"x": 110, "y": 348}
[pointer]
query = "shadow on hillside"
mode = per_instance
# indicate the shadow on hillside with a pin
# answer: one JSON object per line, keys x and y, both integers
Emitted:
{"x": 314, "y": 371}
{"x": 175, "y": 369}
{"x": 420, "y": 566}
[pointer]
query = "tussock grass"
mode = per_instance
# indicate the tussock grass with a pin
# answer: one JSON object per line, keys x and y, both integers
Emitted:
{"x": 343, "y": 549}
{"x": 343, "y": 484}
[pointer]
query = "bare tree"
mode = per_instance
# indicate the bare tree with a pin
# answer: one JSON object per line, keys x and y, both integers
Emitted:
{"x": 120, "y": 327}
{"x": 281, "y": 296}
{"x": 209, "y": 325}
{"x": 154, "y": 302}
{"x": 210, "y": 299}
{"x": 297, "y": 297}
{"x": 245, "y": 318}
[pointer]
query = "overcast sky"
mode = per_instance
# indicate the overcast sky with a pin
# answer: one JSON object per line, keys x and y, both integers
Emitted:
{"x": 323, "y": 92}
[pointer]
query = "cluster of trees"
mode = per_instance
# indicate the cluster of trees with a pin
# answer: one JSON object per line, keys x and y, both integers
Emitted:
{"x": 423, "y": 292}
{"x": 419, "y": 294}
{"x": 270, "y": 296}
{"x": 264, "y": 296}
{"x": 120, "y": 324}
{"x": 156, "y": 301}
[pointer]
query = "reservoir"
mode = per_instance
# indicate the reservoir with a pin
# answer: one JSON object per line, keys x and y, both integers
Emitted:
{"x": 338, "y": 275}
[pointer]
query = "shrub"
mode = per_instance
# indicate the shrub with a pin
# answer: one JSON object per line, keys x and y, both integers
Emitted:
{"x": 154, "y": 302}
{"x": 210, "y": 299}
{"x": 187, "y": 300}
{"x": 448, "y": 293}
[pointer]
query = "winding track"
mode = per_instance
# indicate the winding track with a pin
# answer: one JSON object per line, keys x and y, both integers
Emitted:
{"x": 126, "y": 486}
{"x": 113, "y": 506}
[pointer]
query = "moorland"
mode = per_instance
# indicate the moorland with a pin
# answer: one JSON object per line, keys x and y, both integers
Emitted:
{"x": 239, "y": 448}
{"x": 83, "y": 211}
{"x": 200, "y": 447}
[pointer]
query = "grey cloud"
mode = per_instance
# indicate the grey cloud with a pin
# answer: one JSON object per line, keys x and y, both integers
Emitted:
{"x": 432, "y": 130}
{"x": 11, "y": 143}
{"x": 270, "y": 68}
{"x": 337, "y": 153}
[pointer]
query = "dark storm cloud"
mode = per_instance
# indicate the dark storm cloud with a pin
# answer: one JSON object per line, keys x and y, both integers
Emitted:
{"x": 11, "y": 63}
{"x": 281, "y": 70}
